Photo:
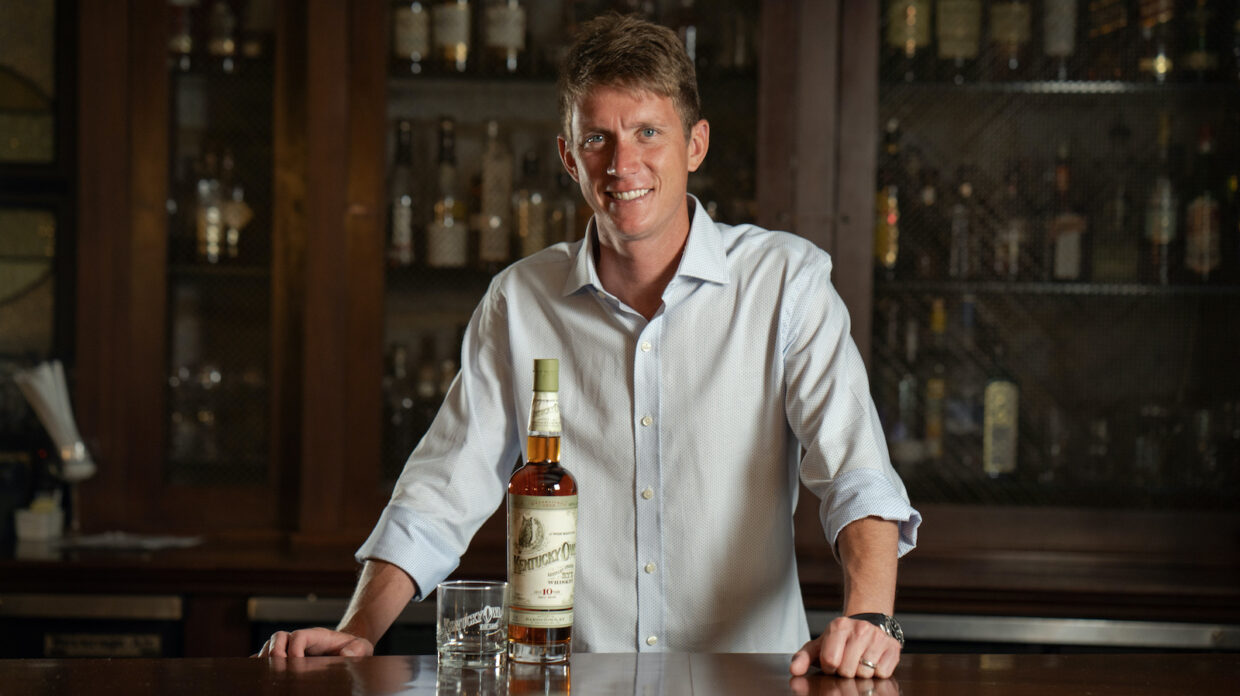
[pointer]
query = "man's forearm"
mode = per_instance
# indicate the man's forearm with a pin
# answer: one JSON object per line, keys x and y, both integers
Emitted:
{"x": 869, "y": 549}
{"x": 382, "y": 592}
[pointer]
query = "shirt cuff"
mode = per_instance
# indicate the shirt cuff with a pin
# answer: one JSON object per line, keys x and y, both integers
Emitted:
{"x": 862, "y": 493}
{"x": 402, "y": 539}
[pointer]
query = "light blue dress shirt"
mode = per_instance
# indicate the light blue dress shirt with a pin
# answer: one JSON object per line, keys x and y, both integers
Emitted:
{"x": 684, "y": 433}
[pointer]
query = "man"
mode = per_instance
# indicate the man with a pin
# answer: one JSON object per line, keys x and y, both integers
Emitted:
{"x": 697, "y": 360}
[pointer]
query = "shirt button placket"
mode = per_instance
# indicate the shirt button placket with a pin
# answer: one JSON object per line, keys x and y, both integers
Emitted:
{"x": 650, "y": 599}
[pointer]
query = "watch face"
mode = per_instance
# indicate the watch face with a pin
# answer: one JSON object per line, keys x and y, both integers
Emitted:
{"x": 894, "y": 629}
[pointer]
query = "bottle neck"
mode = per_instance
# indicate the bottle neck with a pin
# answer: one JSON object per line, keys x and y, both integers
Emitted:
{"x": 543, "y": 449}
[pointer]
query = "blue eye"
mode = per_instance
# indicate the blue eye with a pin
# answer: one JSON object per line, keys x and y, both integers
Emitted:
{"x": 649, "y": 132}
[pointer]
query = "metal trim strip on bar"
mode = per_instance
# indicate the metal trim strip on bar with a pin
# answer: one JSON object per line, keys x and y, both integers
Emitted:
{"x": 57, "y": 606}
{"x": 1055, "y": 631}
{"x": 325, "y": 610}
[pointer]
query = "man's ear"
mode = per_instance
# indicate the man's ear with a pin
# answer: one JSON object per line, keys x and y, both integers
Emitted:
{"x": 699, "y": 143}
{"x": 566, "y": 156}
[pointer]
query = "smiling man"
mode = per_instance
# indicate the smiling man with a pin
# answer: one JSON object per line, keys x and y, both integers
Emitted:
{"x": 698, "y": 362}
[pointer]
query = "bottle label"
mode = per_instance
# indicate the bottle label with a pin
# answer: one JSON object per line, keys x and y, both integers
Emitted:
{"x": 447, "y": 244}
{"x": 1202, "y": 236}
{"x": 1000, "y": 403}
{"x": 410, "y": 34}
{"x": 1059, "y": 30}
{"x": 959, "y": 28}
{"x": 505, "y": 27}
{"x": 402, "y": 233}
{"x": 1010, "y": 23}
{"x": 532, "y": 223}
{"x": 545, "y": 413}
{"x": 1160, "y": 217}
{"x": 542, "y": 540}
{"x": 1066, "y": 232}
{"x": 908, "y": 24}
{"x": 451, "y": 25}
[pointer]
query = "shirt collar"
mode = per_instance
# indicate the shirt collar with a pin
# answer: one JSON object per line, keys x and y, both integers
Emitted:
{"x": 704, "y": 257}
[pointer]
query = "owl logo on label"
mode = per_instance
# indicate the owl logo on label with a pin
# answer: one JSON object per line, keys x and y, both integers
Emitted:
{"x": 531, "y": 535}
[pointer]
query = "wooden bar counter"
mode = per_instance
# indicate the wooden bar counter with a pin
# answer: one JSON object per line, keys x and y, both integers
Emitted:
{"x": 602, "y": 674}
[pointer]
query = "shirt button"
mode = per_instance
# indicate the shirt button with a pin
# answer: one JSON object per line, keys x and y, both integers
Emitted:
{"x": 648, "y": 493}
{"x": 647, "y": 420}
{"x": 652, "y": 640}
{"x": 646, "y": 346}
{"x": 649, "y": 567}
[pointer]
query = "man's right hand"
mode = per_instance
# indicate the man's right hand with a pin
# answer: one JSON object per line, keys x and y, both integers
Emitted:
{"x": 315, "y": 641}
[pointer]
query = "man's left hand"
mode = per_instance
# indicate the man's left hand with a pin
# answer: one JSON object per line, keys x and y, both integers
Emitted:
{"x": 849, "y": 648}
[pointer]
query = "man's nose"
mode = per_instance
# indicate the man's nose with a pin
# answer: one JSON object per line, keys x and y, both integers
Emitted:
{"x": 623, "y": 159}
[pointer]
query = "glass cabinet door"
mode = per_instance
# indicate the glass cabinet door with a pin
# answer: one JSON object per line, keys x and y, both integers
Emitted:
{"x": 475, "y": 180}
{"x": 219, "y": 231}
{"x": 1057, "y": 252}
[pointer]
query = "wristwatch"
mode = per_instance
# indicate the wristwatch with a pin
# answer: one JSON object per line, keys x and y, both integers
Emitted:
{"x": 888, "y": 623}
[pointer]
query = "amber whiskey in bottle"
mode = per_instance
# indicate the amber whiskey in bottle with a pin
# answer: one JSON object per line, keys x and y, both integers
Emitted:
{"x": 542, "y": 534}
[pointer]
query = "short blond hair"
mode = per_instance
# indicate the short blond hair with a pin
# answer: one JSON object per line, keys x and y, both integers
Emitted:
{"x": 626, "y": 51}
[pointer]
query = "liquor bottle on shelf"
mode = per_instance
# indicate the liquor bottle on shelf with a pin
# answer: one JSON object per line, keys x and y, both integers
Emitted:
{"x": 1201, "y": 59}
{"x": 530, "y": 208}
{"x": 683, "y": 17}
{"x": 927, "y": 228}
{"x": 542, "y": 534}
{"x": 563, "y": 218}
{"x": 1116, "y": 239}
{"x": 234, "y": 211}
{"x": 1158, "y": 20}
{"x": 1008, "y": 251}
{"x": 1161, "y": 213}
{"x": 400, "y": 199}
{"x": 209, "y": 210}
{"x": 962, "y": 262}
{"x": 1203, "y": 253}
{"x": 411, "y": 37}
{"x": 504, "y": 25}
{"x": 1059, "y": 32}
{"x": 887, "y": 204}
{"x": 962, "y": 420}
{"x": 907, "y": 48}
{"x": 222, "y": 37}
{"x": 181, "y": 34}
{"x": 1110, "y": 27}
{"x": 447, "y": 236}
{"x": 451, "y": 34}
{"x": 258, "y": 28}
{"x": 907, "y": 447}
{"x": 1000, "y": 417}
{"x": 1067, "y": 234}
{"x": 736, "y": 50}
{"x": 495, "y": 218}
{"x": 1011, "y": 36}
{"x": 958, "y": 31}
{"x": 400, "y": 415}
{"x": 934, "y": 380}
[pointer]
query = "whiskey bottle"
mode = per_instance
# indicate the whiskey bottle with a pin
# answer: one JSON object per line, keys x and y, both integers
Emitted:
{"x": 1157, "y": 54}
{"x": 1110, "y": 25}
{"x": 181, "y": 34}
{"x": 530, "y": 208}
{"x": 1000, "y": 418}
{"x": 962, "y": 262}
{"x": 1011, "y": 32}
{"x": 907, "y": 45}
{"x": 1200, "y": 56}
{"x": 447, "y": 236}
{"x": 222, "y": 38}
{"x": 400, "y": 199}
{"x": 958, "y": 30}
{"x": 411, "y": 37}
{"x": 935, "y": 380}
{"x": 1059, "y": 30}
{"x": 1066, "y": 234}
{"x": 887, "y": 205}
{"x": 563, "y": 222}
{"x": 210, "y": 211}
{"x": 1161, "y": 210}
{"x": 542, "y": 534}
{"x": 495, "y": 214}
{"x": 1008, "y": 249}
{"x": 682, "y": 17}
{"x": 1202, "y": 219}
{"x": 503, "y": 25}
{"x": 450, "y": 30}
{"x": 966, "y": 380}
{"x": 906, "y": 445}
{"x": 1117, "y": 239}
